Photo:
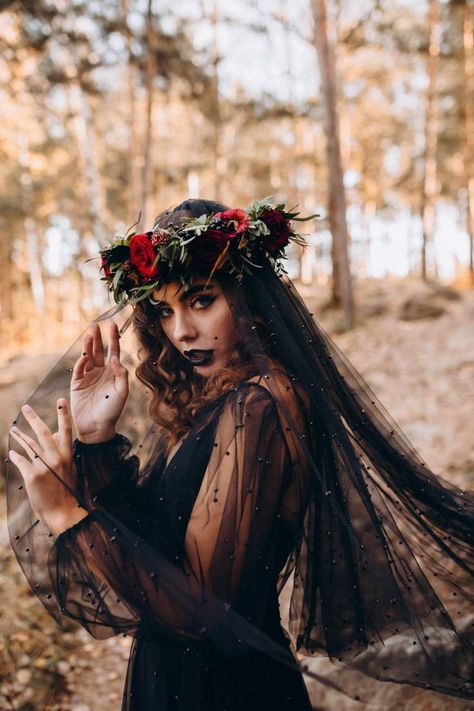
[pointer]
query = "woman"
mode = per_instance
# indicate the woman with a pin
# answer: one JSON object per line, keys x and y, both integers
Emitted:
{"x": 268, "y": 461}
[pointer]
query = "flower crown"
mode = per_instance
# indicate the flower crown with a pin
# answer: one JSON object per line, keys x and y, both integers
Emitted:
{"x": 236, "y": 241}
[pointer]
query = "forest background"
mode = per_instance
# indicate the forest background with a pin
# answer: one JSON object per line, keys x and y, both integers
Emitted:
{"x": 362, "y": 111}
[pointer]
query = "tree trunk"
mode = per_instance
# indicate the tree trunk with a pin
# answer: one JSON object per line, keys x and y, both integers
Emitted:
{"x": 468, "y": 68}
{"x": 133, "y": 154}
{"x": 148, "y": 138}
{"x": 219, "y": 157}
{"x": 6, "y": 286}
{"x": 35, "y": 271}
{"x": 86, "y": 140}
{"x": 429, "y": 186}
{"x": 342, "y": 279}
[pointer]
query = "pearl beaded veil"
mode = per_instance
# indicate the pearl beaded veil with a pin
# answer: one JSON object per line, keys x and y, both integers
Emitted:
{"x": 375, "y": 549}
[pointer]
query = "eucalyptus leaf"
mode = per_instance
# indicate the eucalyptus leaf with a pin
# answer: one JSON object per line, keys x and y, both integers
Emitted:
{"x": 149, "y": 285}
{"x": 257, "y": 266}
{"x": 117, "y": 276}
{"x": 142, "y": 296}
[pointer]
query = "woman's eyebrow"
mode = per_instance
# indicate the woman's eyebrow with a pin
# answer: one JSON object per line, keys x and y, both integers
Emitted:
{"x": 186, "y": 294}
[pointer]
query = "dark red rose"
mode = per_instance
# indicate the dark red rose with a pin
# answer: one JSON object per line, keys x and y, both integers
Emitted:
{"x": 207, "y": 247}
{"x": 224, "y": 227}
{"x": 142, "y": 255}
{"x": 105, "y": 266}
{"x": 232, "y": 223}
{"x": 280, "y": 230}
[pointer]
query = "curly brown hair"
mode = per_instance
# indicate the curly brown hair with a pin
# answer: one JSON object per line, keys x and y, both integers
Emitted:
{"x": 178, "y": 392}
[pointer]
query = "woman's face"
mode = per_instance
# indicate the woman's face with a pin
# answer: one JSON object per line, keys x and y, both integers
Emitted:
{"x": 198, "y": 322}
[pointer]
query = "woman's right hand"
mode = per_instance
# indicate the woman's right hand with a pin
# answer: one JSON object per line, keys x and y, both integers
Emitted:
{"x": 99, "y": 389}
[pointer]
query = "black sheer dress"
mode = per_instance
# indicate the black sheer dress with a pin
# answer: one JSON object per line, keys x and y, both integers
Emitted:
{"x": 298, "y": 475}
{"x": 225, "y": 510}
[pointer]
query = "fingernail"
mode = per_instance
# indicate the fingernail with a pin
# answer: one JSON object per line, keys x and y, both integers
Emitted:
{"x": 26, "y": 408}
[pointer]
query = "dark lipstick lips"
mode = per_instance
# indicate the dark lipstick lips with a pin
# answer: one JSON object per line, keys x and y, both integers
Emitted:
{"x": 198, "y": 357}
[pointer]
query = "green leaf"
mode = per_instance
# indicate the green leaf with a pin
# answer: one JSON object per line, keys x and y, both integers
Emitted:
{"x": 143, "y": 295}
{"x": 116, "y": 280}
{"x": 257, "y": 266}
{"x": 305, "y": 219}
{"x": 259, "y": 228}
{"x": 149, "y": 286}
{"x": 190, "y": 239}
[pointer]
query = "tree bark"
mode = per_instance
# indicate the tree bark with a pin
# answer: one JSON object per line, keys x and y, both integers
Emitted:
{"x": 35, "y": 271}
{"x": 219, "y": 157}
{"x": 430, "y": 182}
{"x": 342, "y": 291}
{"x": 134, "y": 177}
{"x": 6, "y": 286}
{"x": 468, "y": 68}
{"x": 148, "y": 137}
{"x": 86, "y": 140}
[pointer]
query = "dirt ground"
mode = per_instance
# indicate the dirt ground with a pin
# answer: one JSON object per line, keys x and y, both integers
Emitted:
{"x": 423, "y": 372}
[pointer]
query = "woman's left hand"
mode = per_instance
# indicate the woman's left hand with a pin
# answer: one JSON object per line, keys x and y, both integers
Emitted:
{"x": 47, "y": 464}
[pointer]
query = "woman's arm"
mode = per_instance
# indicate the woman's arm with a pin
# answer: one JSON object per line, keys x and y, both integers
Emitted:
{"x": 113, "y": 569}
{"x": 107, "y": 576}
{"x": 103, "y": 464}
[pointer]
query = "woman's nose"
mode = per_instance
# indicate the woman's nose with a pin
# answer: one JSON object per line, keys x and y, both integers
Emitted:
{"x": 184, "y": 329}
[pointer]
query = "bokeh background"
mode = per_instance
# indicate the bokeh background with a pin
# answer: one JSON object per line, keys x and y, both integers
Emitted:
{"x": 363, "y": 112}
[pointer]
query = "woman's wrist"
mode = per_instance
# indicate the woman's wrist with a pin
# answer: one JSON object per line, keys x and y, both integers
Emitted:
{"x": 65, "y": 519}
{"x": 96, "y": 437}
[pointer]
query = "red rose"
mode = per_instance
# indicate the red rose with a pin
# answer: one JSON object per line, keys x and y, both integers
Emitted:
{"x": 142, "y": 255}
{"x": 207, "y": 247}
{"x": 105, "y": 266}
{"x": 223, "y": 227}
{"x": 280, "y": 230}
{"x": 229, "y": 224}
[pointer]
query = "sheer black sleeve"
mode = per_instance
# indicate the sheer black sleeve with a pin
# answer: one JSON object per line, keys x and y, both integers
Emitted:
{"x": 112, "y": 579}
{"x": 104, "y": 463}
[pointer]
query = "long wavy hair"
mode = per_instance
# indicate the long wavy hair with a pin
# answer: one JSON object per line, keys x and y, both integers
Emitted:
{"x": 178, "y": 392}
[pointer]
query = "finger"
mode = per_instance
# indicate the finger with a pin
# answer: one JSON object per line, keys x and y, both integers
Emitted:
{"x": 40, "y": 428}
{"x": 114, "y": 343}
{"x": 64, "y": 433}
{"x": 121, "y": 377}
{"x": 89, "y": 348}
{"x": 97, "y": 345}
{"x": 87, "y": 343}
{"x": 79, "y": 367}
{"x": 23, "y": 464}
{"x": 85, "y": 359}
{"x": 28, "y": 444}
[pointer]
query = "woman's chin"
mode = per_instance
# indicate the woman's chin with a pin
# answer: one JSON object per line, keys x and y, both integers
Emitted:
{"x": 208, "y": 369}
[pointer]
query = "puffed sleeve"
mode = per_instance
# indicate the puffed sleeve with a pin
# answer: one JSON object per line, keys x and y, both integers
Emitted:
{"x": 101, "y": 464}
{"x": 112, "y": 579}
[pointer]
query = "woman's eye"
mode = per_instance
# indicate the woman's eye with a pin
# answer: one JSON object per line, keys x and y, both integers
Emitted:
{"x": 201, "y": 302}
{"x": 205, "y": 301}
{"x": 164, "y": 312}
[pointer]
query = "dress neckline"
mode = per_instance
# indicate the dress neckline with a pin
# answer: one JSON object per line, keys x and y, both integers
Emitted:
{"x": 211, "y": 403}
{"x": 202, "y": 411}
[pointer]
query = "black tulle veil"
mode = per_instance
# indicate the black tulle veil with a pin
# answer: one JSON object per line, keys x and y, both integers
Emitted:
{"x": 381, "y": 569}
